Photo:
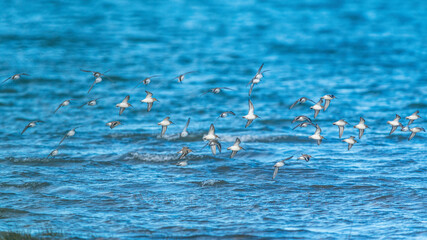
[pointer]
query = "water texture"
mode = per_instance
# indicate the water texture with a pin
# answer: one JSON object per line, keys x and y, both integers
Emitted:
{"x": 122, "y": 183}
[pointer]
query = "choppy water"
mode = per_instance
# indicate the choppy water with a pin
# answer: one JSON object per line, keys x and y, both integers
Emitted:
{"x": 123, "y": 183}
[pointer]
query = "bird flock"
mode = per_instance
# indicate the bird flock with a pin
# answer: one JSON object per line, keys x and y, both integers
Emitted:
{"x": 212, "y": 140}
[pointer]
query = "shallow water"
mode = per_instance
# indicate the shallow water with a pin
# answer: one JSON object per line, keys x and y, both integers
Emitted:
{"x": 123, "y": 183}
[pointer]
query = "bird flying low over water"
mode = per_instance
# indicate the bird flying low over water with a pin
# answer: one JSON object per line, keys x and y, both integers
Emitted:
{"x": 414, "y": 131}
{"x": 303, "y": 125}
{"x": 256, "y": 79}
{"x": 361, "y": 126}
{"x": 164, "y": 123}
{"x": 235, "y": 148}
{"x": 184, "y": 132}
{"x": 149, "y": 100}
{"x": 184, "y": 151}
{"x": 327, "y": 99}
{"x": 316, "y": 136}
{"x": 225, "y": 114}
{"x": 146, "y": 80}
{"x": 278, "y": 165}
{"x": 304, "y": 157}
{"x": 301, "y": 101}
{"x": 351, "y": 141}
{"x": 211, "y": 134}
{"x": 213, "y": 144}
{"x": 63, "y": 104}
{"x": 15, "y": 77}
{"x": 113, "y": 124}
{"x": 31, "y": 125}
{"x": 90, "y": 103}
{"x": 317, "y": 107}
{"x": 250, "y": 116}
{"x": 216, "y": 90}
{"x": 53, "y": 153}
{"x": 69, "y": 134}
{"x": 395, "y": 123}
{"x": 340, "y": 123}
{"x": 413, "y": 117}
{"x": 98, "y": 77}
{"x": 301, "y": 118}
{"x": 181, "y": 77}
{"x": 124, "y": 104}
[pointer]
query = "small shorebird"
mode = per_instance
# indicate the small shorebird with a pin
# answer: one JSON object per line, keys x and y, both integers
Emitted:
{"x": 361, "y": 126}
{"x": 181, "y": 77}
{"x": 15, "y": 77}
{"x": 124, "y": 104}
{"x": 278, "y": 165}
{"x": 413, "y": 117}
{"x": 340, "y": 123}
{"x": 90, "y": 103}
{"x": 63, "y": 104}
{"x": 113, "y": 124}
{"x": 182, "y": 163}
{"x": 69, "y": 134}
{"x": 31, "y": 125}
{"x": 53, "y": 153}
{"x": 184, "y": 151}
{"x": 96, "y": 74}
{"x": 303, "y": 125}
{"x": 149, "y": 100}
{"x": 250, "y": 116}
{"x": 256, "y": 79}
{"x": 301, "y": 118}
{"x": 404, "y": 128}
{"x": 216, "y": 90}
{"x": 300, "y": 101}
{"x": 317, "y": 136}
{"x": 235, "y": 148}
{"x": 395, "y": 123}
{"x": 327, "y": 99}
{"x": 213, "y": 144}
{"x": 351, "y": 141}
{"x": 211, "y": 134}
{"x": 146, "y": 80}
{"x": 317, "y": 107}
{"x": 164, "y": 123}
{"x": 184, "y": 132}
{"x": 415, "y": 130}
{"x": 225, "y": 114}
{"x": 304, "y": 157}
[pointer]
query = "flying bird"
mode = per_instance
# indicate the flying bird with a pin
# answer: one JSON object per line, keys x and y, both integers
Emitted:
{"x": 216, "y": 90}
{"x": 15, "y": 77}
{"x": 181, "y": 77}
{"x": 69, "y": 134}
{"x": 340, "y": 123}
{"x": 149, "y": 100}
{"x": 146, "y": 80}
{"x": 250, "y": 116}
{"x": 63, "y": 104}
{"x": 414, "y": 131}
{"x": 317, "y": 136}
{"x": 395, "y": 123}
{"x": 124, "y": 104}
{"x": 184, "y": 132}
{"x": 304, "y": 157}
{"x": 413, "y": 117}
{"x": 256, "y": 79}
{"x": 351, "y": 141}
{"x": 361, "y": 126}
{"x": 303, "y": 125}
{"x": 211, "y": 134}
{"x": 164, "y": 123}
{"x": 113, "y": 124}
{"x": 301, "y": 101}
{"x": 31, "y": 125}
{"x": 90, "y": 103}
{"x": 235, "y": 148}
{"x": 317, "y": 107}
{"x": 327, "y": 99}
{"x": 278, "y": 165}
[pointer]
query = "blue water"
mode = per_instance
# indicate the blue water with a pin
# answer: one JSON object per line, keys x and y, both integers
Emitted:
{"x": 122, "y": 183}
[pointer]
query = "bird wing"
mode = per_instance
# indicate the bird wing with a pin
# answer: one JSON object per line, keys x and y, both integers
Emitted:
{"x": 248, "y": 123}
{"x": 186, "y": 125}
{"x": 393, "y": 128}
{"x": 252, "y": 86}
{"x": 412, "y": 136}
{"x": 232, "y": 113}
{"x": 93, "y": 84}
{"x": 293, "y": 105}
{"x": 149, "y": 94}
{"x": 6, "y": 79}
{"x": 260, "y": 68}
{"x": 26, "y": 127}
{"x": 213, "y": 149}
{"x": 237, "y": 142}
{"x": 299, "y": 125}
{"x": 63, "y": 138}
{"x": 349, "y": 146}
{"x": 121, "y": 110}
{"x": 327, "y": 102}
{"x": 251, "y": 107}
{"x": 149, "y": 106}
{"x": 60, "y": 105}
{"x": 233, "y": 153}
{"x": 362, "y": 120}
{"x": 126, "y": 99}
{"x": 288, "y": 158}
{"x": 316, "y": 112}
{"x": 341, "y": 128}
{"x": 276, "y": 170}
{"x": 319, "y": 141}
{"x": 163, "y": 131}
{"x": 318, "y": 130}
{"x": 211, "y": 130}
{"x": 86, "y": 71}
{"x": 361, "y": 133}
{"x": 83, "y": 104}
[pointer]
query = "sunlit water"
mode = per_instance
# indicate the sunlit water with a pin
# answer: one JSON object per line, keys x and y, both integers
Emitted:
{"x": 123, "y": 183}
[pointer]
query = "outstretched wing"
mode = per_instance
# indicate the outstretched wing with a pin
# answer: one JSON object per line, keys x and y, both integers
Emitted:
{"x": 251, "y": 107}
{"x": 318, "y": 130}
{"x": 93, "y": 84}
{"x": 412, "y": 136}
{"x": 149, "y": 106}
{"x": 186, "y": 125}
{"x": 361, "y": 133}
{"x": 260, "y": 68}
{"x": 252, "y": 86}
{"x": 341, "y": 128}
{"x": 237, "y": 142}
{"x": 293, "y": 105}
{"x": 233, "y": 153}
{"x": 149, "y": 94}
{"x": 248, "y": 123}
{"x": 126, "y": 99}
{"x": 276, "y": 170}
{"x": 163, "y": 131}
{"x": 211, "y": 130}
{"x": 121, "y": 110}
{"x": 327, "y": 102}
{"x": 26, "y": 127}
{"x": 60, "y": 105}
